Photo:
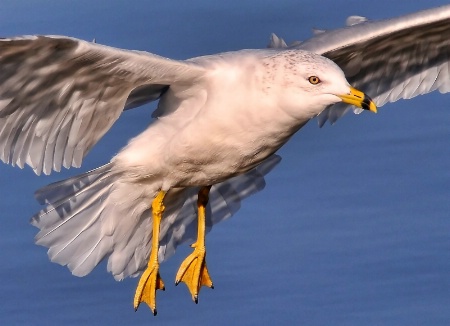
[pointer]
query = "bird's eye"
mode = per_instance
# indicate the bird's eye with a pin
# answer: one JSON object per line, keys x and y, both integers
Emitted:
{"x": 314, "y": 80}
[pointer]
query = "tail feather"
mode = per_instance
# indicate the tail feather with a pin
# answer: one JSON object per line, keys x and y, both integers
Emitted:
{"x": 69, "y": 187}
{"x": 97, "y": 215}
{"x": 71, "y": 226}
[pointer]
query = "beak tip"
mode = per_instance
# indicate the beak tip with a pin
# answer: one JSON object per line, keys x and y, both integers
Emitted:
{"x": 359, "y": 99}
{"x": 368, "y": 104}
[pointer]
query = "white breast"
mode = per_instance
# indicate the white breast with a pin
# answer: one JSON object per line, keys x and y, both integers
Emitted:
{"x": 223, "y": 126}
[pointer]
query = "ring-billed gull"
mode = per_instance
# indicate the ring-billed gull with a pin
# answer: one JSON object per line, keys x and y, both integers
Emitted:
{"x": 219, "y": 116}
{"x": 67, "y": 93}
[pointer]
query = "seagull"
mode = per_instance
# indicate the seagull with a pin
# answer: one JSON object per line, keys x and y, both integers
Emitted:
{"x": 218, "y": 117}
{"x": 219, "y": 120}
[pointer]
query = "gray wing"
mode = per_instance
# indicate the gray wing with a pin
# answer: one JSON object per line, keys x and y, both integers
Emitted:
{"x": 59, "y": 95}
{"x": 390, "y": 59}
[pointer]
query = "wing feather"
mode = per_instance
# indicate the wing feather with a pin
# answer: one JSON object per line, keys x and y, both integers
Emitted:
{"x": 401, "y": 64}
{"x": 59, "y": 95}
{"x": 391, "y": 59}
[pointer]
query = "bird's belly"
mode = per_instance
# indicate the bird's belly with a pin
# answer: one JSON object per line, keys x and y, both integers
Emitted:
{"x": 195, "y": 157}
{"x": 209, "y": 149}
{"x": 211, "y": 161}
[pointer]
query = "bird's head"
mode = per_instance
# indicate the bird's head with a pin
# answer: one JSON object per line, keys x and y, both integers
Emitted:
{"x": 308, "y": 83}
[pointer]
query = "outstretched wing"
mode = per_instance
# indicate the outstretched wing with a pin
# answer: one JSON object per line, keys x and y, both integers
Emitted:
{"x": 389, "y": 59}
{"x": 59, "y": 95}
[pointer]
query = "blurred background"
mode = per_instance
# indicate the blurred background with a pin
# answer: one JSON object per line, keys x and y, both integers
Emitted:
{"x": 352, "y": 228}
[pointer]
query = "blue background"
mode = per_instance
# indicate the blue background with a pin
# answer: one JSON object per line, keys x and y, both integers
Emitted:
{"x": 352, "y": 229}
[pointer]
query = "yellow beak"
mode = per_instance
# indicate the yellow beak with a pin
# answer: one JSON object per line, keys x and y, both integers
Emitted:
{"x": 359, "y": 99}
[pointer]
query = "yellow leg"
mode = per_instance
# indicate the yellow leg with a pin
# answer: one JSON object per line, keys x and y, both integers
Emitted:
{"x": 150, "y": 280}
{"x": 193, "y": 270}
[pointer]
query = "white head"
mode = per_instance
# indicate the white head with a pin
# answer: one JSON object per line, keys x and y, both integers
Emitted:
{"x": 308, "y": 83}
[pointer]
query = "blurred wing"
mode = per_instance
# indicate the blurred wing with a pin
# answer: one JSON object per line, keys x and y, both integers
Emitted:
{"x": 59, "y": 95}
{"x": 389, "y": 59}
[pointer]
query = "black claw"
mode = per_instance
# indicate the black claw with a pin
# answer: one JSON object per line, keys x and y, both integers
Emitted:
{"x": 212, "y": 286}
{"x": 177, "y": 282}
{"x": 155, "y": 312}
{"x": 163, "y": 289}
{"x": 196, "y": 300}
